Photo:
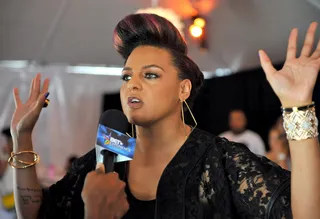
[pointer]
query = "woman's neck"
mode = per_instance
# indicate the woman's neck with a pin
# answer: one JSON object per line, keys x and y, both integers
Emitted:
{"x": 166, "y": 136}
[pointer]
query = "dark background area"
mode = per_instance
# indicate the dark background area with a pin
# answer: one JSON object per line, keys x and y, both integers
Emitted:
{"x": 248, "y": 91}
{"x": 111, "y": 101}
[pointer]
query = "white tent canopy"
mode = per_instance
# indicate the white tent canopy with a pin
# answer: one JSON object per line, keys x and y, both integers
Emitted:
{"x": 80, "y": 32}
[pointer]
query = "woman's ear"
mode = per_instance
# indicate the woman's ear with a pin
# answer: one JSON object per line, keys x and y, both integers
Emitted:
{"x": 185, "y": 89}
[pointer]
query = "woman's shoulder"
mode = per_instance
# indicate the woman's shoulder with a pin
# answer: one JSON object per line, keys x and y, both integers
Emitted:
{"x": 222, "y": 150}
{"x": 217, "y": 141}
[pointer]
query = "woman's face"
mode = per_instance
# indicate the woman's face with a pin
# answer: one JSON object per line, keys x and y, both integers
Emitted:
{"x": 151, "y": 89}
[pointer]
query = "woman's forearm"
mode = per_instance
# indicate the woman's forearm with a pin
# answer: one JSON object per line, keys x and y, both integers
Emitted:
{"x": 305, "y": 181}
{"x": 294, "y": 85}
{"x": 27, "y": 190}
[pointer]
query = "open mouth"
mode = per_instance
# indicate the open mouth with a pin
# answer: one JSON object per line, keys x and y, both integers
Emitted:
{"x": 134, "y": 102}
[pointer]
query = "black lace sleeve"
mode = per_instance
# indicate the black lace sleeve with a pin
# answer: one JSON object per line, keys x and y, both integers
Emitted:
{"x": 63, "y": 199}
{"x": 260, "y": 188}
{"x": 56, "y": 197}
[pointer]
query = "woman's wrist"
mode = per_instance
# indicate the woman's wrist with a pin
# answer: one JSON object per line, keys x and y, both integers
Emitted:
{"x": 22, "y": 142}
{"x": 296, "y": 103}
{"x": 300, "y": 122}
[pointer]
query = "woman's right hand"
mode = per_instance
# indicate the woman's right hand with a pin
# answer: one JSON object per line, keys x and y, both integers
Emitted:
{"x": 26, "y": 114}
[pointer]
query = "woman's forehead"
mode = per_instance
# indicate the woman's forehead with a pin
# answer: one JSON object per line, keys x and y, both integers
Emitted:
{"x": 148, "y": 55}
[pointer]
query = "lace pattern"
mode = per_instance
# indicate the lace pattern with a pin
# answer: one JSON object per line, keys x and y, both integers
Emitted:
{"x": 209, "y": 177}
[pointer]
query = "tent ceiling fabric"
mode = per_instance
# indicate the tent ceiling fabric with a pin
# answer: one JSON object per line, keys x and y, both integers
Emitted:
{"x": 236, "y": 30}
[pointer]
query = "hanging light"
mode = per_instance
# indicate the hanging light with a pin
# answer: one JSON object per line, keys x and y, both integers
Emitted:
{"x": 195, "y": 31}
{"x": 197, "y": 28}
{"x": 200, "y": 22}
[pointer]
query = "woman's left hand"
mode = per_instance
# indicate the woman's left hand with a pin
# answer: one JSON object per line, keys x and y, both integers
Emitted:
{"x": 295, "y": 82}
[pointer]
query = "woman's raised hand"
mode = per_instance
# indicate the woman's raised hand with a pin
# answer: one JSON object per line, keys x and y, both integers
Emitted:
{"x": 26, "y": 114}
{"x": 295, "y": 82}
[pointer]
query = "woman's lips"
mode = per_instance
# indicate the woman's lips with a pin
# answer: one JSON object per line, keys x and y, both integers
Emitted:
{"x": 135, "y": 103}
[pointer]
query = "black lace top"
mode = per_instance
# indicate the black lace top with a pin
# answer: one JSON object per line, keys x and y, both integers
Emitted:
{"x": 209, "y": 177}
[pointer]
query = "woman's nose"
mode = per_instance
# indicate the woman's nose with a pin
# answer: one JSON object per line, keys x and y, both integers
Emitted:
{"x": 134, "y": 84}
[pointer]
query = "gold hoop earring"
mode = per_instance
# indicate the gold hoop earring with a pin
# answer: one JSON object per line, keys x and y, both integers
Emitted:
{"x": 183, "y": 121}
{"x": 132, "y": 132}
{"x": 193, "y": 118}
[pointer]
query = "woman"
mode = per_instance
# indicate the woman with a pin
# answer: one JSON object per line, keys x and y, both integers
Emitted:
{"x": 177, "y": 171}
{"x": 279, "y": 150}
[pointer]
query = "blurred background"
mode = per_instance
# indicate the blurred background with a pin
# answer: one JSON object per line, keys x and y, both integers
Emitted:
{"x": 70, "y": 42}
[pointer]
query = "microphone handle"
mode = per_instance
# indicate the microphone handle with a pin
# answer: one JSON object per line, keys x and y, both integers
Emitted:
{"x": 108, "y": 160}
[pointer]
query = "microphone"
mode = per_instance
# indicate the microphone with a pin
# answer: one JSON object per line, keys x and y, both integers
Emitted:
{"x": 117, "y": 121}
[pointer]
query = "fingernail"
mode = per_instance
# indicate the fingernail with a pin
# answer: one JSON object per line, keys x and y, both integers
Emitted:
{"x": 47, "y": 94}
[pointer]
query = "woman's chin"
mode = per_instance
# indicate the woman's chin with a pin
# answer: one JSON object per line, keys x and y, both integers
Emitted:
{"x": 138, "y": 119}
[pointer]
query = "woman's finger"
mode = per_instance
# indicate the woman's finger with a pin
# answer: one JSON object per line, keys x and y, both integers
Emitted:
{"x": 31, "y": 93}
{"x": 16, "y": 97}
{"x": 40, "y": 103}
{"x": 37, "y": 85}
{"x": 266, "y": 64}
{"x": 292, "y": 44}
{"x": 45, "y": 86}
{"x": 316, "y": 53}
{"x": 35, "y": 88}
{"x": 309, "y": 40}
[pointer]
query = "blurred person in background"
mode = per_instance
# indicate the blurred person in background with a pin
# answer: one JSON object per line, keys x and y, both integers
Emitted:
{"x": 7, "y": 207}
{"x": 239, "y": 133}
{"x": 279, "y": 148}
{"x": 279, "y": 126}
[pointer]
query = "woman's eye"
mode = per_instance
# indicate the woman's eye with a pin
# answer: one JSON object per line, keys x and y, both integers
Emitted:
{"x": 151, "y": 76}
{"x": 126, "y": 77}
